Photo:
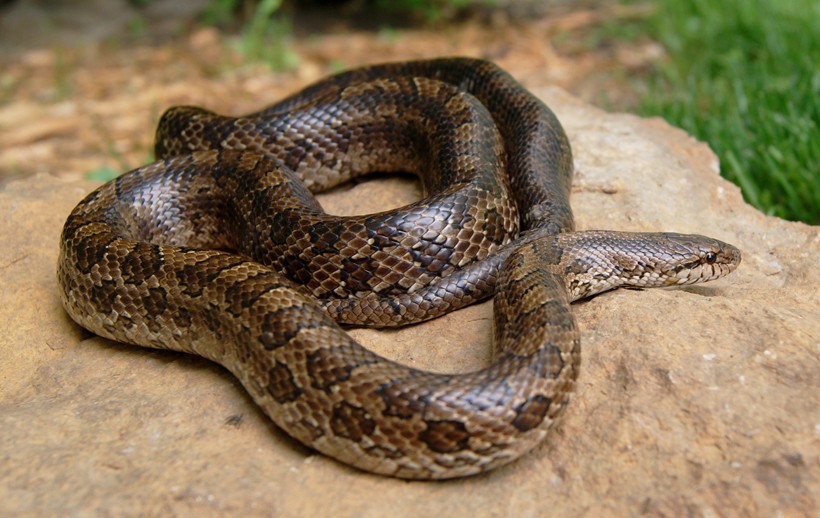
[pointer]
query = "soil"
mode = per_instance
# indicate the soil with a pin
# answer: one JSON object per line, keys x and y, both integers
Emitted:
{"x": 82, "y": 84}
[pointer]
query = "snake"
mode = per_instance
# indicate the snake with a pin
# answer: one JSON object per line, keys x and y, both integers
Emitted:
{"x": 219, "y": 249}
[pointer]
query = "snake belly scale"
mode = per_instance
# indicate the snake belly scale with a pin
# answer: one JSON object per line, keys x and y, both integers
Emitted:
{"x": 219, "y": 249}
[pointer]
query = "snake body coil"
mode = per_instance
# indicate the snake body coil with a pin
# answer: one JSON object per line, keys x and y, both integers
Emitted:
{"x": 219, "y": 249}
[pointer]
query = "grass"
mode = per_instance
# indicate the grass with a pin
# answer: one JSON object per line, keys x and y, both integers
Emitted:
{"x": 742, "y": 75}
{"x": 267, "y": 37}
{"x": 266, "y": 34}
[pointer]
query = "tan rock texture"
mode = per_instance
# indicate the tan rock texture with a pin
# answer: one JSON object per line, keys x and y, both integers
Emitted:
{"x": 698, "y": 401}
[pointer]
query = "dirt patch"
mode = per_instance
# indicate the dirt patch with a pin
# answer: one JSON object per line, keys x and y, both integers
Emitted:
{"x": 76, "y": 102}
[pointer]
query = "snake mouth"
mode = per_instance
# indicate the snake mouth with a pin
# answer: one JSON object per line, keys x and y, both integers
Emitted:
{"x": 710, "y": 259}
{"x": 702, "y": 270}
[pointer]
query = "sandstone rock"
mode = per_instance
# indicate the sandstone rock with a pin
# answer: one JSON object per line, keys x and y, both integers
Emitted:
{"x": 702, "y": 400}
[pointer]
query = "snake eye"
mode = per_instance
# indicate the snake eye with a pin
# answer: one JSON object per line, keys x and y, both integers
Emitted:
{"x": 711, "y": 257}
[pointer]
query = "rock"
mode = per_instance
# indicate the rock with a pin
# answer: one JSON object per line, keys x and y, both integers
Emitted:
{"x": 701, "y": 400}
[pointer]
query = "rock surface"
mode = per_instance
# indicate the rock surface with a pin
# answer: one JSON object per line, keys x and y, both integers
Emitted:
{"x": 702, "y": 400}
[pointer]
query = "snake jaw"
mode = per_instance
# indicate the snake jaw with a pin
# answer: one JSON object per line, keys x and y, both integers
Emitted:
{"x": 710, "y": 260}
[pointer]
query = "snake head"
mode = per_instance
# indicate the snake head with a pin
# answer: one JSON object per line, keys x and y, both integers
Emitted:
{"x": 694, "y": 258}
{"x": 597, "y": 261}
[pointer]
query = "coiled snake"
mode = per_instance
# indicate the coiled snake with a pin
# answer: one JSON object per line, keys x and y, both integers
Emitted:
{"x": 219, "y": 249}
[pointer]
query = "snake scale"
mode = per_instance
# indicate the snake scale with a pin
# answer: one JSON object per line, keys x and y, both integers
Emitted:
{"x": 219, "y": 249}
